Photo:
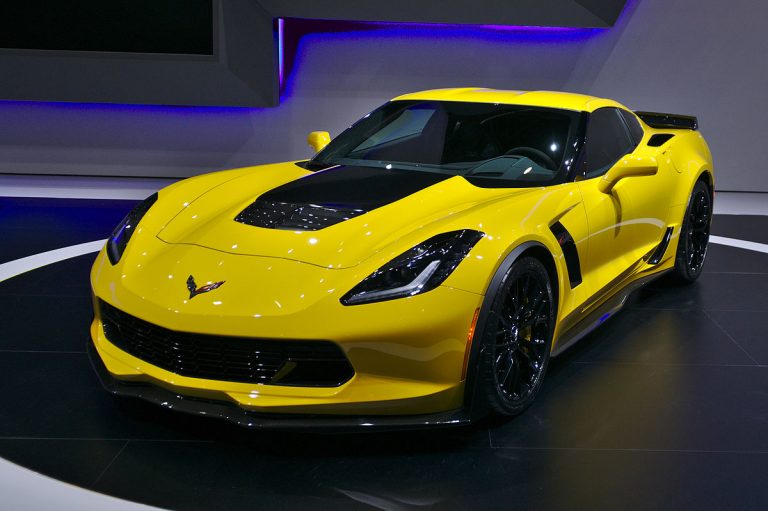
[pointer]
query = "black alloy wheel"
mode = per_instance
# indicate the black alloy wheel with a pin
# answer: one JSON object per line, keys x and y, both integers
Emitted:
{"x": 517, "y": 337}
{"x": 694, "y": 235}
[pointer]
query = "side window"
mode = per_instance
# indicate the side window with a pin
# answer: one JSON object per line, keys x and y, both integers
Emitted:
{"x": 607, "y": 140}
{"x": 634, "y": 126}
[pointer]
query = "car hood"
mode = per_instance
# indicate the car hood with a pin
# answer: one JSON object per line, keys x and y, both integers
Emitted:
{"x": 334, "y": 218}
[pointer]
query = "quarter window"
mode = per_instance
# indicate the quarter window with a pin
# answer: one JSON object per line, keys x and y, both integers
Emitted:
{"x": 634, "y": 126}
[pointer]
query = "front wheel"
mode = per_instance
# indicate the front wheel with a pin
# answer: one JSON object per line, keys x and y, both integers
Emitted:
{"x": 517, "y": 337}
{"x": 694, "y": 235}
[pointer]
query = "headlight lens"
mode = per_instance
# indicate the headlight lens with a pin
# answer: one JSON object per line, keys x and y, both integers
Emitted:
{"x": 124, "y": 230}
{"x": 416, "y": 271}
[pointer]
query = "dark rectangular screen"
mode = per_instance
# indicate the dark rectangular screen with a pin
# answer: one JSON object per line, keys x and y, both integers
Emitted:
{"x": 128, "y": 26}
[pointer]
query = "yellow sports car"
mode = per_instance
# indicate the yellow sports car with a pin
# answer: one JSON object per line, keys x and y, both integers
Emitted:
{"x": 421, "y": 269}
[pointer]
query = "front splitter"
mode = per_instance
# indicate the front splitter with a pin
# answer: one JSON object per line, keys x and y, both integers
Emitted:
{"x": 320, "y": 423}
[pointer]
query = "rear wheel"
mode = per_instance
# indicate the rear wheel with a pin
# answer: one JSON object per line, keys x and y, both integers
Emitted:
{"x": 517, "y": 337}
{"x": 694, "y": 235}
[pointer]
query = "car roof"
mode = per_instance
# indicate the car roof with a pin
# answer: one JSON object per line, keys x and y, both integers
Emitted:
{"x": 550, "y": 99}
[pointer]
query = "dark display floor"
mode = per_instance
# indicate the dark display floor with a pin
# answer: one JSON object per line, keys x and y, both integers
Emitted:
{"x": 664, "y": 407}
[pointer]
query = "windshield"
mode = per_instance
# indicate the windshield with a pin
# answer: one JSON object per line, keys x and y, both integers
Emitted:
{"x": 514, "y": 145}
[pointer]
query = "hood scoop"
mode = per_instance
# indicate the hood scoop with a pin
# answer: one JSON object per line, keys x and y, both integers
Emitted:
{"x": 294, "y": 217}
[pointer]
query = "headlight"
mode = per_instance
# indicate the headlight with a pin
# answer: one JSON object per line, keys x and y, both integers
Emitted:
{"x": 124, "y": 230}
{"x": 418, "y": 270}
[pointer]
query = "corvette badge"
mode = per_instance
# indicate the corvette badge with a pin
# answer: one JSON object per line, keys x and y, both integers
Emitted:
{"x": 194, "y": 290}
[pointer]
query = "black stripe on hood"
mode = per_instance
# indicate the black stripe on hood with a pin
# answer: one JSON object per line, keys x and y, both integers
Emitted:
{"x": 331, "y": 196}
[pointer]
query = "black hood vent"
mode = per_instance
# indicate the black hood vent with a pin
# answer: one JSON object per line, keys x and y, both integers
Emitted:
{"x": 334, "y": 195}
{"x": 290, "y": 216}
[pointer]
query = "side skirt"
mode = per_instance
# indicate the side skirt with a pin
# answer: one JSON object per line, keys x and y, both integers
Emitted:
{"x": 599, "y": 314}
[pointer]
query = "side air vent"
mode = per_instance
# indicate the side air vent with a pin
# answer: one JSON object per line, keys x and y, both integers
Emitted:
{"x": 659, "y": 139}
{"x": 661, "y": 249}
{"x": 296, "y": 217}
{"x": 572, "y": 263}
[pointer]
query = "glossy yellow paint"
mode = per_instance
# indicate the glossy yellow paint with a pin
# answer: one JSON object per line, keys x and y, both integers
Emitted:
{"x": 318, "y": 140}
{"x": 552, "y": 99}
{"x": 629, "y": 166}
{"x": 407, "y": 353}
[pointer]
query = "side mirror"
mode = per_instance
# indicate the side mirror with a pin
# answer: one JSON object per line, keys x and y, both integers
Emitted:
{"x": 318, "y": 140}
{"x": 628, "y": 166}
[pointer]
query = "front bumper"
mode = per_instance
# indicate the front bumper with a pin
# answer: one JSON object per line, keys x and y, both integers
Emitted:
{"x": 284, "y": 422}
{"x": 407, "y": 354}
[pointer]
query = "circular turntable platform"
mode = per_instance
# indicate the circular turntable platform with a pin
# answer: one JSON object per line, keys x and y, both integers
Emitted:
{"x": 666, "y": 404}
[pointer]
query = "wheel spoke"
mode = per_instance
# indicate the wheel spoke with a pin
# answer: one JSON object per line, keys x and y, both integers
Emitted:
{"x": 538, "y": 300}
{"x": 529, "y": 360}
{"x": 513, "y": 388}
{"x": 507, "y": 372}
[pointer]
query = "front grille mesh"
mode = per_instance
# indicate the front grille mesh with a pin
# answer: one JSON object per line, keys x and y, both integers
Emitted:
{"x": 236, "y": 359}
{"x": 290, "y": 216}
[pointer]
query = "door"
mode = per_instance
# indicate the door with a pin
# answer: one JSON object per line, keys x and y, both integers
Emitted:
{"x": 628, "y": 222}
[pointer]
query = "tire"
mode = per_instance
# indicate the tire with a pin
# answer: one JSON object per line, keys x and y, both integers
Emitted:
{"x": 694, "y": 235}
{"x": 517, "y": 338}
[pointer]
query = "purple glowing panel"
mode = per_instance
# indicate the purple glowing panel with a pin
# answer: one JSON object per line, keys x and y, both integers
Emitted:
{"x": 280, "y": 49}
{"x": 290, "y": 31}
{"x": 441, "y": 26}
{"x": 354, "y": 42}
{"x": 128, "y": 109}
{"x": 552, "y": 13}
{"x": 541, "y": 29}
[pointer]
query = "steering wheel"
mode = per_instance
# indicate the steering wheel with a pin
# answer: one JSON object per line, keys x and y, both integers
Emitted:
{"x": 540, "y": 157}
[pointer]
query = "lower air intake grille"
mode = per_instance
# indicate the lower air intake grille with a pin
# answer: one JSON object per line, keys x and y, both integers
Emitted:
{"x": 236, "y": 359}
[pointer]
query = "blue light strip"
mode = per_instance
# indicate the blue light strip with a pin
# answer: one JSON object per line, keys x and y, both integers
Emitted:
{"x": 280, "y": 49}
{"x": 180, "y": 110}
{"x": 503, "y": 28}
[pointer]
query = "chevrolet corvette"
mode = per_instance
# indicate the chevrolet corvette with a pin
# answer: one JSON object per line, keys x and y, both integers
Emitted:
{"x": 421, "y": 269}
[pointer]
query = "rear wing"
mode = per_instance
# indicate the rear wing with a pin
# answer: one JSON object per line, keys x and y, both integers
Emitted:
{"x": 669, "y": 121}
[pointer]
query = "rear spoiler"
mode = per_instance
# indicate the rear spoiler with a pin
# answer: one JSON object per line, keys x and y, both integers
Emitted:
{"x": 669, "y": 121}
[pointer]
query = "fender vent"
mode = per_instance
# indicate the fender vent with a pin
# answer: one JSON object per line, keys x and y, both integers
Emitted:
{"x": 572, "y": 263}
